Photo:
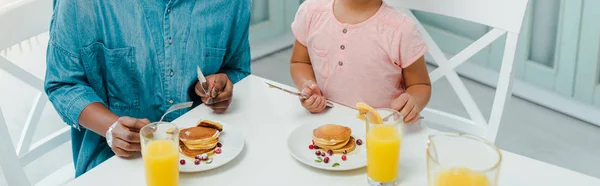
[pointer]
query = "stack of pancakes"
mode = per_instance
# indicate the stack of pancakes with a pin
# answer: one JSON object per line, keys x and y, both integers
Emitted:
{"x": 335, "y": 138}
{"x": 201, "y": 139}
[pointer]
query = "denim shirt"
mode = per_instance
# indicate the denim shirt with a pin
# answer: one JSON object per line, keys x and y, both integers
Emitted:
{"x": 138, "y": 58}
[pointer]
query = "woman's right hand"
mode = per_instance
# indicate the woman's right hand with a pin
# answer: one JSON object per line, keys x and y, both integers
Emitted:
{"x": 313, "y": 100}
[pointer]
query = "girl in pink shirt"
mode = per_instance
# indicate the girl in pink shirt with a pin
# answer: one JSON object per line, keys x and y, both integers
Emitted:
{"x": 351, "y": 51}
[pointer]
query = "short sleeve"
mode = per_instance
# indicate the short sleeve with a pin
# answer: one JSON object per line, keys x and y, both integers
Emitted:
{"x": 301, "y": 23}
{"x": 412, "y": 46}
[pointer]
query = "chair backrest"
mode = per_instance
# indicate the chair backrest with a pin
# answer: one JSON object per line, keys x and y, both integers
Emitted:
{"x": 21, "y": 21}
{"x": 505, "y": 17}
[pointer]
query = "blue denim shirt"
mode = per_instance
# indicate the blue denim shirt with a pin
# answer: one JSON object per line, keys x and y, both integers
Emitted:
{"x": 137, "y": 58}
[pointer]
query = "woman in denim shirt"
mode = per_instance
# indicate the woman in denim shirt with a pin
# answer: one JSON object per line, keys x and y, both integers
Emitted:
{"x": 120, "y": 64}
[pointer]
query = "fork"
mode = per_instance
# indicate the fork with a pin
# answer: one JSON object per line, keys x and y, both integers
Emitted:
{"x": 176, "y": 107}
{"x": 389, "y": 116}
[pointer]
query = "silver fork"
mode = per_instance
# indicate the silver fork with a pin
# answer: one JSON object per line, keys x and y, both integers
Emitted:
{"x": 389, "y": 116}
{"x": 176, "y": 107}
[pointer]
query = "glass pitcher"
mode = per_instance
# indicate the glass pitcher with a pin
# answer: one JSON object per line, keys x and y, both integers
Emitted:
{"x": 462, "y": 160}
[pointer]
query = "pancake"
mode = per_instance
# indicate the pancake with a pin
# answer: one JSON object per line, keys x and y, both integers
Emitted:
{"x": 200, "y": 139}
{"x": 210, "y": 124}
{"x": 349, "y": 147}
{"x": 209, "y": 144}
{"x": 197, "y": 133}
{"x": 322, "y": 142}
{"x": 331, "y": 135}
{"x": 332, "y": 147}
{"x": 192, "y": 153}
{"x": 212, "y": 139}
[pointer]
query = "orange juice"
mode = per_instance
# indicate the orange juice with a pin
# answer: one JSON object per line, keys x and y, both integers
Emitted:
{"x": 383, "y": 152}
{"x": 461, "y": 177}
{"x": 160, "y": 160}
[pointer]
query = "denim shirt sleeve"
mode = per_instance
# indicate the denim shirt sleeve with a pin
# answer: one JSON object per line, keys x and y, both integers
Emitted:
{"x": 66, "y": 84}
{"x": 237, "y": 61}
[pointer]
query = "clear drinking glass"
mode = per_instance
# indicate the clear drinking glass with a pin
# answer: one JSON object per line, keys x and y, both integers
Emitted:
{"x": 462, "y": 160}
{"x": 383, "y": 147}
{"x": 160, "y": 144}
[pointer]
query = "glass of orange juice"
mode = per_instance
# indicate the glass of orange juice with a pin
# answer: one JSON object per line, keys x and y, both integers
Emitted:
{"x": 160, "y": 153}
{"x": 462, "y": 160}
{"x": 384, "y": 136}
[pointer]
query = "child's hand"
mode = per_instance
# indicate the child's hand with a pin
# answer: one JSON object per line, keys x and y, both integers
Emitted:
{"x": 315, "y": 102}
{"x": 407, "y": 105}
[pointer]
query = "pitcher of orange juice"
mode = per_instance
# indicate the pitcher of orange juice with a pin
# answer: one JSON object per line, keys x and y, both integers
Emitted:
{"x": 160, "y": 151}
{"x": 462, "y": 160}
{"x": 384, "y": 136}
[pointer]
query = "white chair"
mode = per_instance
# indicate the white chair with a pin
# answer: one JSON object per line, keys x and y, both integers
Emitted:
{"x": 21, "y": 21}
{"x": 506, "y": 17}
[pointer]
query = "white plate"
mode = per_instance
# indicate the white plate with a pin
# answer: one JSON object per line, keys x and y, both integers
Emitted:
{"x": 233, "y": 144}
{"x": 301, "y": 138}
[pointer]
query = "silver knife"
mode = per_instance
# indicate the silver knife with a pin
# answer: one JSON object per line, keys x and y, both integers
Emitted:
{"x": 329, "y": 103}
{"x": 202, "y": 79}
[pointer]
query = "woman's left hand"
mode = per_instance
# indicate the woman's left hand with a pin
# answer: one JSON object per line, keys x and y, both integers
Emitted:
{"x": 407, "y": 105}
{"x": 220, "y": 91}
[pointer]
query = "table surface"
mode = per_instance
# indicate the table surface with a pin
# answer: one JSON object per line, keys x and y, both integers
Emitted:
{"x": 266, "y": 117}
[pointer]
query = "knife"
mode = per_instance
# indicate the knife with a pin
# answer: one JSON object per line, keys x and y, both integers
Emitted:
{"x": 329, "y": 103}
{"x": 202, "y": 79}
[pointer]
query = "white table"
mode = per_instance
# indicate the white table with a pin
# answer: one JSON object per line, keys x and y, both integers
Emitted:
{"x": 266, "y": 116}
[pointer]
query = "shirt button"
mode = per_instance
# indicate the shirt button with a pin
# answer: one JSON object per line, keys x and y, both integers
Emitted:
{"x": 170, "y": 41}
{"x": 342, "y": 47}
{"x": 345, "y": 31}
{"x": 168, "y": 10}
{"x": 172, "y": 73}
{"x": 340, "y": 63}
{"x": 171, "y": 101}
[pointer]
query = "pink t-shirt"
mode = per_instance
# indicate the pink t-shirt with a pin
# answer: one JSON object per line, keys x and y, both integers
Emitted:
{"x": 358, "y": 62}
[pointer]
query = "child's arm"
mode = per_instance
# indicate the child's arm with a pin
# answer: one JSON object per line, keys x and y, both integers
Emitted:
{"x": 304, "y": 78}
{"x": 418, "y": 91}
{"x": 301, "y": 67}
